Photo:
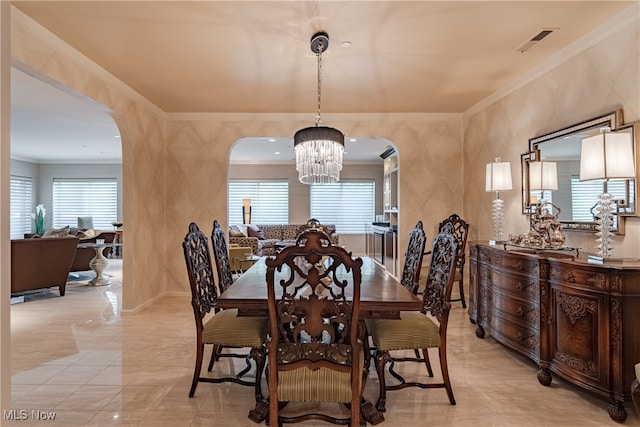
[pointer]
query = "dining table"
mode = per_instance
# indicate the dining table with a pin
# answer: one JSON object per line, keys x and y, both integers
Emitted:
{"x": 381, "y": 296}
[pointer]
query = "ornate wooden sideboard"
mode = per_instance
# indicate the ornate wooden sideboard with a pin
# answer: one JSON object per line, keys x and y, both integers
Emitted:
{"x": 578, "y": 320}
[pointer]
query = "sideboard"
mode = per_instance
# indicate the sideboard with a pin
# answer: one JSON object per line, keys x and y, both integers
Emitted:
{"x": 576, "y": 319}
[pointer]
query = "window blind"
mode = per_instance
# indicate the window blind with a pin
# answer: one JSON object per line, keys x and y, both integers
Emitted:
{"x": 347, "y": 204}
{"x": 21, "y": 209}
{"x": 97, "y": 198}
{"x": 269, "y": 201}
{"x": 585, "y": 194}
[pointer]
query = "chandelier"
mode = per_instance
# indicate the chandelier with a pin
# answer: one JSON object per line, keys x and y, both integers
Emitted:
{"x": 319, "y": 148}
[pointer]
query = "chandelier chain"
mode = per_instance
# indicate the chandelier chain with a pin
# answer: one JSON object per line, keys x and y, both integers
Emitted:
{"x": 319, "y": 55}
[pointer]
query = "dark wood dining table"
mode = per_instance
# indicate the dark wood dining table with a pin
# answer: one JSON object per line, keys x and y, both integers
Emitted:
{"x": 381, "y": 296}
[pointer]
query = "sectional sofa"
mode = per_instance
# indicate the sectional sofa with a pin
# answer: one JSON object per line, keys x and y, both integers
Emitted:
{"x": 264, "y": 238}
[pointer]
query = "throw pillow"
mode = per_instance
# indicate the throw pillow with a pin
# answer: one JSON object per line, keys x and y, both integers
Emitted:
{"x": 57, "y": 232}
{"x": 234, "y": 233}
{"x": 86, "y": 234}
{"x": 254, "y": 231}
{"x": 242, "y": 228}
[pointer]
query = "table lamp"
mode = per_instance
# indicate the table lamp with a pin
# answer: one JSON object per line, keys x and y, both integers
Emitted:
{"x": 246, "y": 211}
{"x": 605, "y": 157}
{"x": 498, "y": 178}
{"x": 543, "y": 176}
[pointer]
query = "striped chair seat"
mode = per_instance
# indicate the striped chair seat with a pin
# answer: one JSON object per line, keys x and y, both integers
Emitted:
{"x": 226, "y": 328}
{"x": 320, "y": 385}
{"x": 413, "y": 330}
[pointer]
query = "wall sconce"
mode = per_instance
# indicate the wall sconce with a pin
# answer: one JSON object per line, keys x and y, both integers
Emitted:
{"x": 543, "y": 176}
{"x": 498, "y": 178}
{"x": 606, "y": 157}
{"x": 246, "y": 211}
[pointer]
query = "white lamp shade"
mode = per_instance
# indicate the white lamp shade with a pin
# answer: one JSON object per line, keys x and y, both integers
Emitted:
{"x": 543, "y": 176}
{"x": 607, "y": 156}
{"x": 498, "y": 177}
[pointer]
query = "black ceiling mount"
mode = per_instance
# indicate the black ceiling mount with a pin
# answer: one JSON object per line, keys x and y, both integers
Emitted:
{"x": 319, "y": 40}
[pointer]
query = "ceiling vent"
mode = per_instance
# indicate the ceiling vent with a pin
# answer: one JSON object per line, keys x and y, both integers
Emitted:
{"x": 534, "y": 40}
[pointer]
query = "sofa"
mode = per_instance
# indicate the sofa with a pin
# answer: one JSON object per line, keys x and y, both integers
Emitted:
{"x": 41, "y": 263}
{"x": 83, "y": 255}
{"x": 265, "y": 239}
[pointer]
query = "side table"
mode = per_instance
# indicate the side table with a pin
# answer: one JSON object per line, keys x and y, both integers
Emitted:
{"x": 99, "y": 262}
{"x": 240, "y": 263}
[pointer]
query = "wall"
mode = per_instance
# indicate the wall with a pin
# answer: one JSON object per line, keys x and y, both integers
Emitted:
{"x": 429, "y": 147}
{"x": 39, "y": 53}
{"x": 299, "y": 193}
{"x": 598, "y": 80}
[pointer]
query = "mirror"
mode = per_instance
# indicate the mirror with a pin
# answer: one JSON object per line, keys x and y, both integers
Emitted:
{"x": 575, "y": 198}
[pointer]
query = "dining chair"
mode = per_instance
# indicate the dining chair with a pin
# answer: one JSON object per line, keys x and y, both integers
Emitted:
{"x": 418, "y": 330}
{"x": 315, "y": 347}
{"x": 220, "y": 328}
{"x": 221, "y": 255}
{"x": 460, "y": 230}
{"x": 413, "y": 258}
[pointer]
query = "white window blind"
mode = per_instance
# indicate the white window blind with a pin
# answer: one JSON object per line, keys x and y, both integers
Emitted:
{"x": 21, "y": 209}
{"x": 97, "y": 198}
{"x": 347, "y": 204}
{"x": 269, "y": 201}
{"x": 585, "y": 194}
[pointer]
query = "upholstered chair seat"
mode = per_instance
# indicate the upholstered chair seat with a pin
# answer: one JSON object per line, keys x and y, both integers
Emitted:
{"x": 414, "y": 330}
{"x": 228, "y": 329}
{"x": 320, "y": 385}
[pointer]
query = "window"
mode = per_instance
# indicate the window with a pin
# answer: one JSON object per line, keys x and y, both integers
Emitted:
{"x": 21, "y": 210}
{"x": 347, "y": 204}
{"x": 97, "y": 198}
{"x": 269, "y": 201}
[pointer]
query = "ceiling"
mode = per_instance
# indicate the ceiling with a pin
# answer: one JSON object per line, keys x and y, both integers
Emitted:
{"x": 254, "y": 57}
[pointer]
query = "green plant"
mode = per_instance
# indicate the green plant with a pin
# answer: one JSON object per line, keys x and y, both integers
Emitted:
{"x": 38, "y": 218}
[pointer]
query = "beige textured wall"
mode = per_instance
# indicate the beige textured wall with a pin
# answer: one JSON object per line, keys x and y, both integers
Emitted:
{"x": 429, "y": 148}
{"x": 596, "y": 81}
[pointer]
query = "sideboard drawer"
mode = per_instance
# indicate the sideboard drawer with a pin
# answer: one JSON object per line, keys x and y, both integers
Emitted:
{"x": 579, "y": 275}
{"x": 518, "y": 285}
{"x": 522, "y": 338}
{"x": 523, "y": 311}
{"x": 513, "y": 261}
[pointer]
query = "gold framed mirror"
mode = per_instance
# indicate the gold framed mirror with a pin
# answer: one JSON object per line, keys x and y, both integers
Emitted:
{"x": 575, "y": 198}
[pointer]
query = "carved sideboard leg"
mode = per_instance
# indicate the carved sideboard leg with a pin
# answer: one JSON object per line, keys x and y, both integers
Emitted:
{"x": 544, "y": 377}
{"x": 617, "y": 411}
{"x": 480, "y": 332}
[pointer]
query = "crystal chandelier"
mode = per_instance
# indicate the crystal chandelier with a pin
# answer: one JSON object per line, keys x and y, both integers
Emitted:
{"x": 319, "y": 148}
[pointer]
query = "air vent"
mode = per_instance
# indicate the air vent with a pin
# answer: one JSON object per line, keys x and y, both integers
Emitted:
{"x": 533, "y": 41}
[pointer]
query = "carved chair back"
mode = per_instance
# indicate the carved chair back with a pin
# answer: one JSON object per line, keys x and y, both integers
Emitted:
{"x": 460, "y": 229}
{"x": 440, "y": 278}
{"x": 413, "y": 258}
{"x": 313, "y": 298}
{"x": 225, "y": 278}
{"x": 204, "y": 296}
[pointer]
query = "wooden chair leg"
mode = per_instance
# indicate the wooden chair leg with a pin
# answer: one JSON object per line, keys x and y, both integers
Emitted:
{"x": 381, "y": 359}
{"x": 461, "y": 286}
{"x": 198, "y": 367}
{"x": 442, "y": 351}
{"x": 427, "y": 362}
{"x": 214, "y": 357}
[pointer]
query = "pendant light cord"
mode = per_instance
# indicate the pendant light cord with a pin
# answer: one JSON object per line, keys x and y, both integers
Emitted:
{"x": 319, "y": 55}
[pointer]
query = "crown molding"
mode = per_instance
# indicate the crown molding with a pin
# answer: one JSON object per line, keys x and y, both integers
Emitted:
{"x": 266, "y": 117}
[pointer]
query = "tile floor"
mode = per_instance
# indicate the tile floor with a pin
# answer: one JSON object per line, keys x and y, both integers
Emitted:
{"x": 78, "y": 357}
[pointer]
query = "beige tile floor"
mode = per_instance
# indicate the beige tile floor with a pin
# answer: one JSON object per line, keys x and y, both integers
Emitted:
{"x": 78, "y": 357}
